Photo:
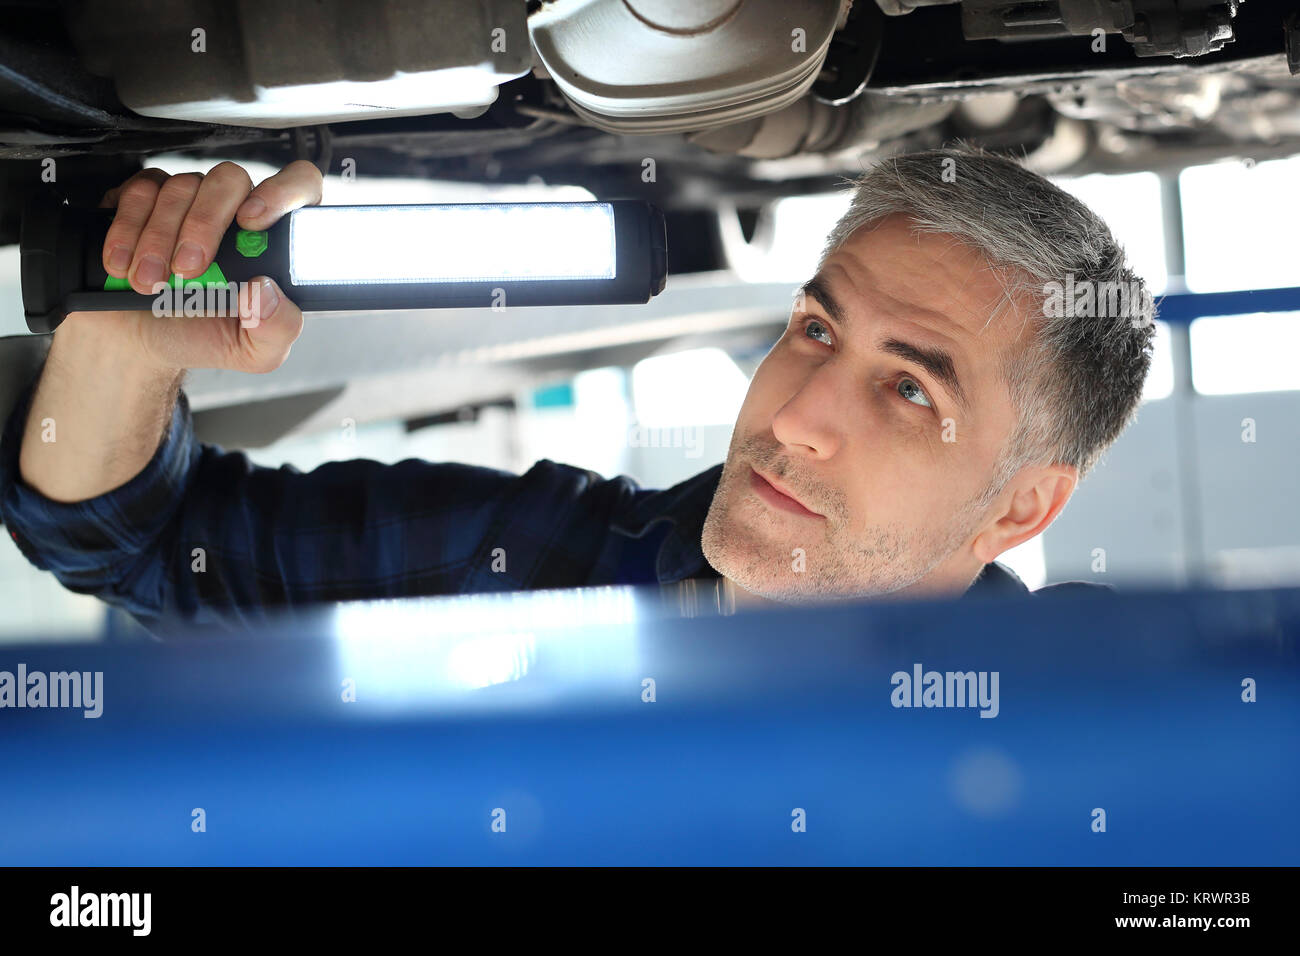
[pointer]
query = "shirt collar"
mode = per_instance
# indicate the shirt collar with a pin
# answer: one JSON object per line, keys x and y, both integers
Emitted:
{"x": 683, "y": 507}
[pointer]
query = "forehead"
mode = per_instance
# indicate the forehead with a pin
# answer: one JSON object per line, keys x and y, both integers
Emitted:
{"x": 932, "y": 285}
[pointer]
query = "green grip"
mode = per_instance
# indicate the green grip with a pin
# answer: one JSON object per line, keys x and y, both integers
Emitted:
{"x": 249, "y": 243}
{"x": 213, "y": 276}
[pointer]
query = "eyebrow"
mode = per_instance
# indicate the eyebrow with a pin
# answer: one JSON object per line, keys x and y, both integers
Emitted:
{"x": 938, "y": 362}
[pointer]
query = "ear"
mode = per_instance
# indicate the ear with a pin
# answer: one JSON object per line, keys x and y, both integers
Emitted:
{"x": 1038, "y": 493}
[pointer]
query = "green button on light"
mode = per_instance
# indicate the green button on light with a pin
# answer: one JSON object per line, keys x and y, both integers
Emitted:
{"x": 250, "y": 243}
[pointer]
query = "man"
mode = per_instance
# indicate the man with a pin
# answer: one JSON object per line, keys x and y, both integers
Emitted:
{"x": 922, "y": 413}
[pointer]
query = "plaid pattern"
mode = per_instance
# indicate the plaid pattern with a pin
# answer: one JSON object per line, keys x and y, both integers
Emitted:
{"x": 276, "y": 537}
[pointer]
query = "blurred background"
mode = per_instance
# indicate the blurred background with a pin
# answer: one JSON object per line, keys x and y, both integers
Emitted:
{"x": 1201, "y": 489}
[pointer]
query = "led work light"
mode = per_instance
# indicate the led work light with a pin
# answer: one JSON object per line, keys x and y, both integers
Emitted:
{"x": 361, "y": 258}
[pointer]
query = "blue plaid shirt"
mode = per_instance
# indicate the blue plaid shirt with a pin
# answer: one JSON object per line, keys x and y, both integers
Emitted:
{"x": 272, "y": 537}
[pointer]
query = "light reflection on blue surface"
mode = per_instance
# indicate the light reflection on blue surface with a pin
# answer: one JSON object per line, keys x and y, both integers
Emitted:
{"x": 491, "y": 659}
{"x": 400, "y": 654}
{"x": 1127, "y": 702}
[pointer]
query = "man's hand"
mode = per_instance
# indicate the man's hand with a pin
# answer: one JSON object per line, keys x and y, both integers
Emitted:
{"x": 167, "y": 224}
{"x": 111, "y": 378}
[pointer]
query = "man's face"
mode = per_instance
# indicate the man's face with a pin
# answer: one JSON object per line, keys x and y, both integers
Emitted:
{"x": 883, "y": 411}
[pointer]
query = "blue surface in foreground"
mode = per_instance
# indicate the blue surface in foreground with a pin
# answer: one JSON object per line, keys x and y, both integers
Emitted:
{"x": 1130, "y": 703}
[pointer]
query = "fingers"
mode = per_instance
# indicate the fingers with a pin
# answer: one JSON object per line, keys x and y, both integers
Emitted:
{"x": 208, "y": 218}
{"x": 298, "y": 184}
{"x": 269, "y": 324}
{"x": 151, "y": 263}
{"x": 134, "y": 200}
{"x": 175, "y": 224}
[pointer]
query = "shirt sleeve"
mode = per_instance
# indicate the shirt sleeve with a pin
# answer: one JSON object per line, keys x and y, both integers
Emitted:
{"x": 204, "y": 536}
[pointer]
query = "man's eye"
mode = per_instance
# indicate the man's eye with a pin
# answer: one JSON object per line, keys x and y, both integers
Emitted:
{"x": 813, "y": 323}
{"x": 912, "y": 392}
{"x": 906, "y": 388}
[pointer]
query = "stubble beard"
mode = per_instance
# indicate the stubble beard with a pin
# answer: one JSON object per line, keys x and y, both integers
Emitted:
{"x": 746, "y": 541}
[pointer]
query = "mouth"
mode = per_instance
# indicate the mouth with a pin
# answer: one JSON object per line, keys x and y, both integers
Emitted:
{"x": 776, "y": 496}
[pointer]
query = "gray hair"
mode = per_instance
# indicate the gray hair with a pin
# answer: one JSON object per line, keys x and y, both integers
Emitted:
{"x": 1079, "y": 383}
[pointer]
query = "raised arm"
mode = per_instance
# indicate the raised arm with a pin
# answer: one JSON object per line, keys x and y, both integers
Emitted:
{"x": 125, "y": 504}
{"x": 111, "y": 377}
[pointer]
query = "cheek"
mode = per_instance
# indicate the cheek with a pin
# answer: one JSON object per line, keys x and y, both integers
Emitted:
{"x": 886, "y": 428}
{"x": 771, "y": 387}
{"x": 900, "y": 479}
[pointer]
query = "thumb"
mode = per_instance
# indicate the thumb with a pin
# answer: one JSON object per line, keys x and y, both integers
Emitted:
{"x": 269, "y": 324}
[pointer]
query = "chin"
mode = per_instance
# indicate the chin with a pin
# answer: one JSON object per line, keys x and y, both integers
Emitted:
{"x": 760, "y": 567}
{"x": 763, "y": 567}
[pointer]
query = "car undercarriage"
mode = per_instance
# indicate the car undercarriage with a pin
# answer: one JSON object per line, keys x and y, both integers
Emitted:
{"x": 690, "y": 105}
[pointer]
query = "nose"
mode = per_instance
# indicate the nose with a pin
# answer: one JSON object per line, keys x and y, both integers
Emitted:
{"x": 810, "y": 423}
